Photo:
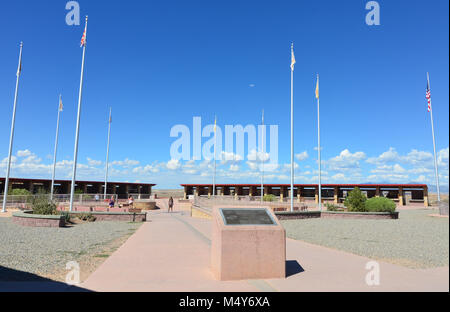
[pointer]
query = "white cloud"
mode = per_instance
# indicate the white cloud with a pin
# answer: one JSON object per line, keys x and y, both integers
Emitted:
{"x": 302, "y": 156}
{"x": 389, "y": 156}
{"x": 345, "y": 161}
{"x": 126, "y": 163}
{"x": 93, "y": 162}
{"x": 24, "y": 153}
{"x": 173, "y": 164}
{"x": 442, "y": 158}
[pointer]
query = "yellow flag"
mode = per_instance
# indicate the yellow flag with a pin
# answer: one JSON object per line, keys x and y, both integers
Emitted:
{"x": 317, "y": 88}
{"x": 292, "y": 58}
{"x": 215, "y": 124}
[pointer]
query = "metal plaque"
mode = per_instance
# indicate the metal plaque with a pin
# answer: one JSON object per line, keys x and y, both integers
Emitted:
{"x": 242, "y": 216}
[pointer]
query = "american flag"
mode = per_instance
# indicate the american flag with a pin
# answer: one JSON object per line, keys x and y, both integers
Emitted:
{"x": 83, "y": 39}
{"x": 428, "y": 96}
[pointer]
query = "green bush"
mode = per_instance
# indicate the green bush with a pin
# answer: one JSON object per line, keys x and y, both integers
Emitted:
{"x": 66, "y": 215}
{"x": 269, "y": 197}
{"x": 43, "y": 206}
{"x": 356, "y": 201}
{"x": 86, "y": 217}
{"x": 23, "y": 192}
{"x": 333, "y": 207}
{"x": 380, "y": 204}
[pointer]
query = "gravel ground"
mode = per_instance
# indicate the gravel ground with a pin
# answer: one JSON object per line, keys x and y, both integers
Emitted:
{"x": 415, "y": 240}
{"x": 44, "y": 250}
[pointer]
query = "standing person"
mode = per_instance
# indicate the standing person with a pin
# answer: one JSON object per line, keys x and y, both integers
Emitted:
{"x": 111, "y": 202}
{"x": 130, "y": 201}
{"x": 97, "y": 198}
{"x": 170, "y": 204}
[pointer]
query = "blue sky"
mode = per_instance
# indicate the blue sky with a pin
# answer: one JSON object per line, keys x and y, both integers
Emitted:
{"x": 160, "y": 63}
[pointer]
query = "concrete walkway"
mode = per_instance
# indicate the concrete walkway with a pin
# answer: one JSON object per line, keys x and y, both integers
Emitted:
{"x": 171, "y": 253}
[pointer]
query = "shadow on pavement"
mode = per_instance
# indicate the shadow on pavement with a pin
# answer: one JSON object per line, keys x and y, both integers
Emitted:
{"x": 19, "y": 281}
{"x": 293, "y": 267}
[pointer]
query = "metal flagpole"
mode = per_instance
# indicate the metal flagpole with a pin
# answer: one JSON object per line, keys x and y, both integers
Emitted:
{"x": 318, "y": 144}
{"x": 434, "y": 143}
{"x": 75, "y": 153}
{"x": 262, "y": 158}
{"x": 292, "y": 127}
{"x": 11, "y": 138}
{"x": 107, "y": 153}
{"x": 56, "y": 147}
{"x": 215, "y": 144}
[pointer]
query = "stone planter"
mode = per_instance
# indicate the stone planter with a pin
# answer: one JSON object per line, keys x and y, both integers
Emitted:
{"x": 116, "y": 216}
{"x": 27, "y": 218}
{"x": 287, "y": 215}
{"x": 359, "y": 215}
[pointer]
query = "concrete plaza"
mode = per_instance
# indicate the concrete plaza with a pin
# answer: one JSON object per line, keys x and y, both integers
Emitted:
{"x": 171, "y": 252}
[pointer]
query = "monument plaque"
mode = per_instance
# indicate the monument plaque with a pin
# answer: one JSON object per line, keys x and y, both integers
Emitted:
{"x": 241, "y": 216}
{"x": 247, "y": 243}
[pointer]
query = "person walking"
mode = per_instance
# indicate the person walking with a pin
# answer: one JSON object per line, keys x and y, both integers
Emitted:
{"x": 170, "y": 204}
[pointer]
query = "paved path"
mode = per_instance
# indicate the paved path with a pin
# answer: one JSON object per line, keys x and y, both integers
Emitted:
{"x": 172, "y": 253}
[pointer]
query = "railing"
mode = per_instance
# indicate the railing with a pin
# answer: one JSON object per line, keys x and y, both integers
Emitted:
{"x": 24, "y": 201}
{"x": 141, "y": 196}
{"x": 208, "y": 202}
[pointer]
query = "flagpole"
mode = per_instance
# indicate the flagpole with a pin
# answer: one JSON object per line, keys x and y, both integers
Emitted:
{"x": 11, "y": 138}
{"x": 56, "y": 147}
{"x": 318, "y": 145}
{"x": 75, "y": 153}
{"x": 262, "y": 159}
{"x": 292, "y": 133}
{"x": 434, "y": 144}
{"x": 107, "y": 153}
{"x": 215, "y": 144}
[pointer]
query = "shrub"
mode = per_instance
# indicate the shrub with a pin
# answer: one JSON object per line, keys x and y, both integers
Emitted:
{"x": 380, "y": 204}
{"x": 332, "y": 207}
{"x": 87, "y": 217}
{"x": 355, "y": 201}
{"x": 43, "y": 206}
{"x": 66, "y": 216}
{"x": 269, "y": 197}
{"x": 23, "y": 192}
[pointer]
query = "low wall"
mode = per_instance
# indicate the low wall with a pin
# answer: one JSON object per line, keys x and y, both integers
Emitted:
{"x": 282, "y": 214}
{"x": 27, "y": 218}
{"x": 197, "y": 212}
{"x": 96, "y": 209}
{"x": 115, "y": 216}
{"x": 287, "y": 215}
{"x": 359, "y": 215}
